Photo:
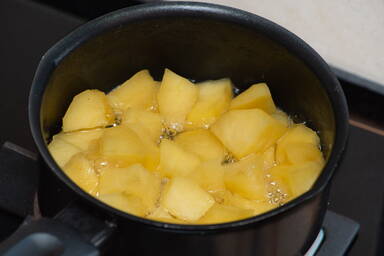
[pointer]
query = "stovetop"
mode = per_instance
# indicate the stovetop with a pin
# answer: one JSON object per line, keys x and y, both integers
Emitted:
{"x": 28, "y": 29}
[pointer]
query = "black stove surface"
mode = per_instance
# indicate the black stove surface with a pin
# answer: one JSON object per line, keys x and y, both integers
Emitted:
{"x": 29, "y": 29}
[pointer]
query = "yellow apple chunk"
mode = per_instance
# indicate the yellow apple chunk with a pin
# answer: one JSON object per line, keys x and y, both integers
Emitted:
{"x": 247, "y": 178}
{"x": 185, "y": 199}
{"x": 247, "y": 131}
{"x": 80, "y": 139}
{"x": 296, "y": 153}
{"x": 150, "y": 122}
{"x": 160, "y": 214}
{"x": 256, "y": 96}
{"x": 224, "y": 213}
{"x": 202, "y": 143}
{"x": 175, "y": 161}
{"x": 122, "y": 145}
{"x": 209, "y": 175}
{"x": 269, "y": 157}
{"x": 256, "y": 206}
{"x": 126, "y": 203}
{"x": 282, "y": 117}
{"x": 62, "y": 151}
{"x": 82, "y": 172}
{"x": 300, "y": 144}
{"x": 176, "y": 97}
{"x": 213, "y": 100}
{"x": 133, "y": 180}
{"x": 137, "y": 92}
{"x": 299, "y": 178}
{"x": 88, "y": 109}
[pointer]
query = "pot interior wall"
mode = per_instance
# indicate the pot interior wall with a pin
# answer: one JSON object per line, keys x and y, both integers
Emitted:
{"x": 199, "y": 49}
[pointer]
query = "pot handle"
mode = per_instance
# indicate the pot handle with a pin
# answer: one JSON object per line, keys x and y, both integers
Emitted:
{"x": 74, "y": 231}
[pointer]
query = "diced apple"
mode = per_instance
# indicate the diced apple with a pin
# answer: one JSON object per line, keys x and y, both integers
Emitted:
{"x": 82, "y": 172}
{"x": 279, "y": 191}
{"x": 175, "y": 161}
{"x": 62, "y": 151}
{"x": 122, "y": 145}
{"x": 247, "y": 131}
{"x": 282, "y": 117}
{"x": 209, "y": 175}
{"x": 298, "y": 145}
{"x": 137, "y": 92}
{"x": 256, "y": 96}
{"x": 247, "y": 178}
{"x": 213, "y": 100}
{"x": 185, "y": 199}
{"x": 300, "y": 133}
{"x": 160, "y": 214}
{"x": 256, "y": 206}
{"x": 263, "y": 206}
{"x": 80, "y": 139}
{"x": 299, "y": 178}
{"x": 152, "y": 151}
{"x": 176, "y": 97}
{"x": 224, "y": 213}
{"x": 202, "y": 143}
{"x": 150, "y": 122}
{"x": 126, "y": 203}
{"x": 133, "y": 180}
{"x": 296, "y": 153}
{"x": 269, "y": 157}
{"x": 88, "y": 109}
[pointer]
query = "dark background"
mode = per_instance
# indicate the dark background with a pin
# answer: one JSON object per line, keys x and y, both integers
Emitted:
{"x": 28, "y": 28}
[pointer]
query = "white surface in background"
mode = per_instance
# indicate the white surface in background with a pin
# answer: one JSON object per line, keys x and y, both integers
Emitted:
{"x": 348, "y": 34}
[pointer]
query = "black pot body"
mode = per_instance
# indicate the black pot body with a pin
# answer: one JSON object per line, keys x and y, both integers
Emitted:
{"x": 201, "y": 42}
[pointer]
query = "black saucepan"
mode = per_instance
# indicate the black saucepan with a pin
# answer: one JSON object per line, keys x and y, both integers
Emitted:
{"x": 199, "y": 41}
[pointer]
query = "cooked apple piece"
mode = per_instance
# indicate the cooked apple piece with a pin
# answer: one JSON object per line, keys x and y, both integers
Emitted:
{"x": 82, "y": 172}
{"x": 80, "y": 139}
{"x": 299, "y": 144}
{"x": 235, "y": 200}
{"x": 133, "y": 180}
{"x": 202, "y": 143}
{"x": 279, "y": 191}
{"x": 256, "y": 96}
{"x": 152, "y": 151}
{"x": 122, "y": 145}
{"x": 213, "y": 100}
{"x": 296, "y": 153}
{"x": 137, "y": 92}
{"x": 246, "y": 177}
{"x": 224, "y": 213}
{"x": 300, "y": 133}
{"x": 88, "y": 109}
{"x": 282, "y": 117}
{"x": 176, "y": 97}
{"x": 247, "y": 131}
{"x": 185, "y": 199}
{"x": 209, "y": 175}
{"x": 299, "y": 178}
{"x": 160, "y": 214}
{"x": 126, "y": 203}
{"x": 263, "y": 206}
{"x": 151, "y": 123}
{"x": 175, "y": 161}
{"x": 269, "y": 157}
{"x": 62, "y": 151}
